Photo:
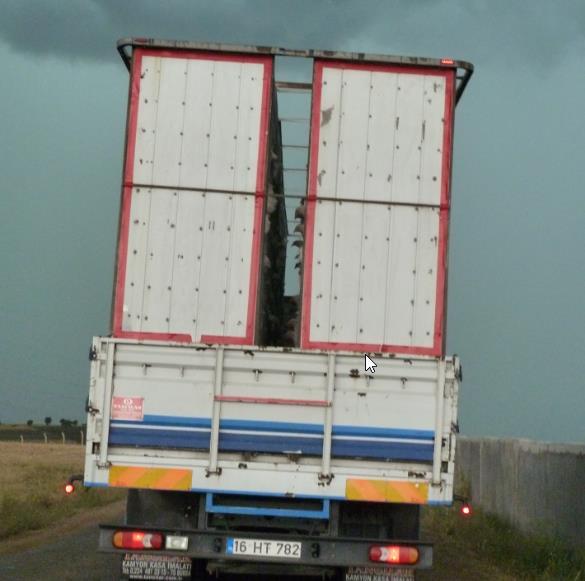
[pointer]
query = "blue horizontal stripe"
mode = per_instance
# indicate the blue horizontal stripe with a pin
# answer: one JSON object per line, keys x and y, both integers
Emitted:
{"x": 383, "y": 432}
{"x": 323, "y": 513}
{"x": 161, "y": 438}
{"x": 263, "y": 426}
{"x": 158, "y": 438}
{"x": 291, "y": 427}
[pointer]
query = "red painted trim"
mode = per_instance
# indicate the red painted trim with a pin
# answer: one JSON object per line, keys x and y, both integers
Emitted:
{"x": 437, "y": 348}
{"x": 135, "y": 76}
{"x": 370, "y": 348}
{"x": 273, "y": 401}
{"x": 256, "y": 258}
{"x": 131, "y": 130}
{"x": 444, "y": 215}
{"x": 224, "y": 340}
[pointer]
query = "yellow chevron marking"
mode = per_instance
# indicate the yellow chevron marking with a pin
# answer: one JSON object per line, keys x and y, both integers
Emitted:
{"x": 157, "y": 478}
{"x": 387, "y": 491}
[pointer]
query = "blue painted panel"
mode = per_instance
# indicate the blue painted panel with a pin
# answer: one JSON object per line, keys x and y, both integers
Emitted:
{"x": 161, "y": 438}
{"x": 322, "y": 514}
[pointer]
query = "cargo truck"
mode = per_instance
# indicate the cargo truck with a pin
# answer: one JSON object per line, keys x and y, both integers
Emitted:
{"x": 275, "y": 393}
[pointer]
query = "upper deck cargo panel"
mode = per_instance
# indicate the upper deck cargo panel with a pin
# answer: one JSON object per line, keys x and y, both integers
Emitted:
{"x": 378, "y": 207}
{"x": 193, "y": 196}
{"x": 197, "y": 246}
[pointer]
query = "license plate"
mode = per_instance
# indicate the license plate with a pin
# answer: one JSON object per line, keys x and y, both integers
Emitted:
{"x": 264, "y": 548}
{"x": 156, "y": 567}
{"x": 377, "y": 574}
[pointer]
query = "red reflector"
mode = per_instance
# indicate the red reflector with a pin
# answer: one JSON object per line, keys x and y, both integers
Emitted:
{"x": 137, "y": 540}
{"x": 447, "y": 61}
{"x": 69, "y": 488}
{"x": 395, "y": 554}
{"x": 466, "y": 509}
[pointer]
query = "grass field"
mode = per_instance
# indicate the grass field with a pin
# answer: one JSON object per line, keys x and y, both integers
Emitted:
{"x": 485, "y": 548}
{"x": 32, "y": 477}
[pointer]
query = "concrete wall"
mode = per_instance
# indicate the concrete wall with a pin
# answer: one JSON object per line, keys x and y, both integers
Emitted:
{"x": 538, "y": 487}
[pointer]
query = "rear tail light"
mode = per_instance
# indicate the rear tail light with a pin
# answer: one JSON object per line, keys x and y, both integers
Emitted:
{"x": 69, "y": 488}
{"x": 466, "y": 509}
{"x": 137, "y": 540}
{"x": 447, "y": 62}
{"x": 394, "y": 554}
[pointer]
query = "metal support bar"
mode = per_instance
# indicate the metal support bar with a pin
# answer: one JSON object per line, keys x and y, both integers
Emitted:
{"x": 467, "y": 71}
{"x": 215, "y": 417}
{"x": 126, "y": 45}
{"x": 291, "y": 195}
{"x": 440, "y": 404}
{"x": 328, "y": 426}
{"x": 107, "y": 409}
{"x": 292, "y": 87}
{"x": 189, "y": 189}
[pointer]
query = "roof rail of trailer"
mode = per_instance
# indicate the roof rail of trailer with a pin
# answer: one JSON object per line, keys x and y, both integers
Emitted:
{"x": 464, "y": 69}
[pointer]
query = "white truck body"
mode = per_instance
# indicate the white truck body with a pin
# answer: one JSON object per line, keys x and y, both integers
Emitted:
{"x": 229, "y": 405}
{"x": 267, "y": 421}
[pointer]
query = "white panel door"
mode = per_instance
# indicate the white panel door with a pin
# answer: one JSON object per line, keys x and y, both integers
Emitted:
{"x": 378, "y": 208}
{"x": 188, "y": 262}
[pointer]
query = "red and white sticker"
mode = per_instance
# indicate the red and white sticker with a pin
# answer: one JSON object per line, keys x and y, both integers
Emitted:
{"x": 127, "y": 408}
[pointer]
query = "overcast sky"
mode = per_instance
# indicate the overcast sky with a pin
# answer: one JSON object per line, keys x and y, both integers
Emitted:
{"x": 517, "y": 263}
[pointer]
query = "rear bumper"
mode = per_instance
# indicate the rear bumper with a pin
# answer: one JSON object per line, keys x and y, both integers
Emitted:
{"x": 316, "y": 551}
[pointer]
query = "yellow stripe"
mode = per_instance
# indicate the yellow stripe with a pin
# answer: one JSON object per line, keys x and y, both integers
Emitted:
{"x": 157, "y": 478}
{"x": 387, "y": 491}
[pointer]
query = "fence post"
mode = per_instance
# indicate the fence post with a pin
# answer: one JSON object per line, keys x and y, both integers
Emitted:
{"x": 21, "y": 439}
{"x": 45, "y": 436}
{"x": 63, "y": 436}
{"x": 81, "y": 434}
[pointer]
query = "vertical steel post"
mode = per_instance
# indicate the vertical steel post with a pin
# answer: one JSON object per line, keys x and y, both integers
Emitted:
{"x": 328, "y": 425}
{"x": 439, "y": 416}
{"x": 107, "y": 409}
{"x": 215, "y": 417}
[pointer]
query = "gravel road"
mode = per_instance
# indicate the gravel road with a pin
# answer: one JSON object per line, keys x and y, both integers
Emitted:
{"x": 71, "y": 557}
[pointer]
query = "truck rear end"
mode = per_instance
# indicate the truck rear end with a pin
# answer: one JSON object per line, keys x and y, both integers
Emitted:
{"x": 273, "y": 413}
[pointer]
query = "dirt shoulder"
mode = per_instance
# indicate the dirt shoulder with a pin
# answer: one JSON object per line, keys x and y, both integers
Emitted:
{"x": 93, "y": 516}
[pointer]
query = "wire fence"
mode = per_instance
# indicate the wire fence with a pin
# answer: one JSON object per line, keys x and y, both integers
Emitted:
{"x": 56, "y": 435}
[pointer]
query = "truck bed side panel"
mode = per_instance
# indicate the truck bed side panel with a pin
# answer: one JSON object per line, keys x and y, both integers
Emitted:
{"x": 271, "y": 421}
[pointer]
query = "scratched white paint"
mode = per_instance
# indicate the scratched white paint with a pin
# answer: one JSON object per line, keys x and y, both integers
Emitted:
{"x": 375, "y": 250}
{"x": 179, "y": 381}
{"x": 190, "y": 242}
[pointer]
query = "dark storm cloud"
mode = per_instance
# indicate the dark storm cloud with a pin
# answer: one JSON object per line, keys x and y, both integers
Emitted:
{"x": 539, "y": 31}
